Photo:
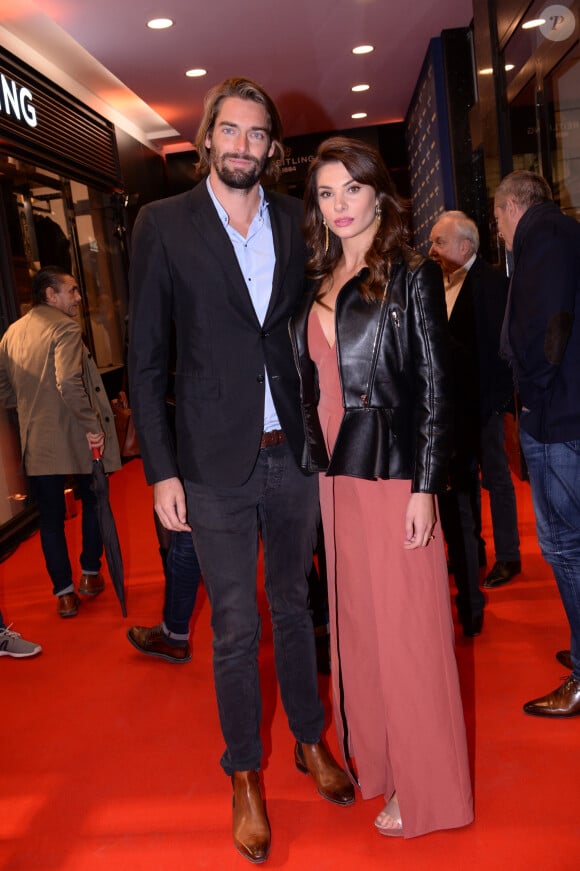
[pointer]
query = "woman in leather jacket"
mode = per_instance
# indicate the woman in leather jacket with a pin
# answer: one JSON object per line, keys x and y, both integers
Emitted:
{"x": 370, "y": 345}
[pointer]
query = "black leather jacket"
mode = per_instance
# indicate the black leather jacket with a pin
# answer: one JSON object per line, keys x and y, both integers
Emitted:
{"x": 393, "y": 359}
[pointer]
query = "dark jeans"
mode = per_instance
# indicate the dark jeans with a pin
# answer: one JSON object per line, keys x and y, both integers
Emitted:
{"x": 460, "y": 522}
{"x": 48, "y": 491}
{"x": 496, "y": 478}
{"x": 554, "y": 472}
{"x": 280, "y": 504}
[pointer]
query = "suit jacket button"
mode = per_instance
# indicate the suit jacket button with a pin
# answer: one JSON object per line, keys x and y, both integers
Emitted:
{"x": 260, "y": 379}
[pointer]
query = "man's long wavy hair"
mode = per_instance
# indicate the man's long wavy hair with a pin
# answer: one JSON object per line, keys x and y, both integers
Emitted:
{"x": 366, "y": 166}
{"x": 244, "y": 89}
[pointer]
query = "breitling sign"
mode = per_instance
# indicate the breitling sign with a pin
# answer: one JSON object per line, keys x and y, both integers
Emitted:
{"x": 43, "y": 125}
{"x": 17, "y": 102}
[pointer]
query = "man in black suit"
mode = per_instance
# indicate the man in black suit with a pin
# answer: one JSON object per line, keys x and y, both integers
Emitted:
{"x": 476, "y": 295}
{"x": 225, "y": 263}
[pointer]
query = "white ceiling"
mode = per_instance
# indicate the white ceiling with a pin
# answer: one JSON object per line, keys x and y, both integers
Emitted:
{"x": 299, "y": 50}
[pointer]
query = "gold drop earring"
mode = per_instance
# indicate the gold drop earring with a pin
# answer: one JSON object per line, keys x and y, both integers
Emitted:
{"x": 326, "y": 240}
{"x": 377, "y": 217}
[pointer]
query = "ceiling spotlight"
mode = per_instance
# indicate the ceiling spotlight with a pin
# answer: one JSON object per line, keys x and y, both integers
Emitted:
{"x": 358, "y": 88}
{"x": 535, "y": 22}
{"x": 363, "y": 49}
{"x": 509, "y": 67}
{"x": 358, "y": 115}
{"x": 196, "y": 74}
{"x": 160, "y": 23}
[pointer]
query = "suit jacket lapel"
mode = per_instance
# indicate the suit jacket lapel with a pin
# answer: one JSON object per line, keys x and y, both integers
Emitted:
{"x": 208, "y": 225}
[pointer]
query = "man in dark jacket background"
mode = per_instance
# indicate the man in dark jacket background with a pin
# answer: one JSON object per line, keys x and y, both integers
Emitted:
{"x": 476, "y": 295}
{"x": 541, "y": 339}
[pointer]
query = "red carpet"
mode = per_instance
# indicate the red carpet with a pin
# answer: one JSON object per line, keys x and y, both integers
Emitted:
{"x": 110, "y": 760}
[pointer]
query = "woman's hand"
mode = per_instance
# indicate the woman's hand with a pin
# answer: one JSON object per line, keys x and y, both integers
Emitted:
{"x": 420, "y": 520}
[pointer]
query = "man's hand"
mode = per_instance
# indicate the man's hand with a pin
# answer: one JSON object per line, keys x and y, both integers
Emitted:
{"x": 96, "y": 440}
{"x": 169, "y": 501}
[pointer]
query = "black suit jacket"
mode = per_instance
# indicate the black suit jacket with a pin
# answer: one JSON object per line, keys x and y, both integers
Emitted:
{"x": 543, "y": 323}
{"x": 184, "y": 269}
{"x": 482, "y": 381}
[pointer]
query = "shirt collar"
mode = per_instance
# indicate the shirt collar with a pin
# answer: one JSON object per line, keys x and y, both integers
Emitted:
{"x": 223, "y": 215}
{"x": 454, "y": 277}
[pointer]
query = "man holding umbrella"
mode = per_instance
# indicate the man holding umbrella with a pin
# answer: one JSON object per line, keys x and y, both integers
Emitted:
{"x": 48, "y": 374}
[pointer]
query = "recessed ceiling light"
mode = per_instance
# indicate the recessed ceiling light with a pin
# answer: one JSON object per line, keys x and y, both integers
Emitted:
{"x": 358, "y": 115}
{"x": 535, "y": 22}
{"x": 360, "y": 88}
{"x": 363, "y": 49}
{"x": 509, "y": 67}
{"x": 196, "y": 74}
{"x": 160, "y": 23}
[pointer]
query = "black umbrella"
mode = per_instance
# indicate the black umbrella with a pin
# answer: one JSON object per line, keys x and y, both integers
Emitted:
{"x": 100, "y": 486}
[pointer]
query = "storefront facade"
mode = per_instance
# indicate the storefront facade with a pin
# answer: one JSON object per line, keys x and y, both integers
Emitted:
{"x": 61, "y": 203}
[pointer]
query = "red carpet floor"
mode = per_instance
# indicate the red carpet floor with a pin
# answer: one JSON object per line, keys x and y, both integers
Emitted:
{"x": 109, "y": 759}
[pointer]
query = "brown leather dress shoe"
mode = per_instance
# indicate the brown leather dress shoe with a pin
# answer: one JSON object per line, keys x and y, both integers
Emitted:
{"x": 67, "y": 605}
{"x": 250, "y": 826}
{"x": 563, "y": 702}
{"x": 154, "y": 642}
{"x": 91, "y": 585}
{"x": 564, "y": 657}
{"x": 332, "y": 782}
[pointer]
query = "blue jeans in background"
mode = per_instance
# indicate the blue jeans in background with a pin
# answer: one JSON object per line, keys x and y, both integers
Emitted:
{"x": 554, "y": 471}
{"x": 48, "y": 491}
{"x": 182, "y": 576}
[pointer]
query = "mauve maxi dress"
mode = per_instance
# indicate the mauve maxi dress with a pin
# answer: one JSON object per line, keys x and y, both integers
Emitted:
{"x": 392, "y": 639}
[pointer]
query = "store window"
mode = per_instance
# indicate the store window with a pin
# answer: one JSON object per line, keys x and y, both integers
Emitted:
{"x": 55, "y": 221}
{"x": 46, "y": 219}
{"x": 542, "y": 72}
{"x": 562, "y": 89}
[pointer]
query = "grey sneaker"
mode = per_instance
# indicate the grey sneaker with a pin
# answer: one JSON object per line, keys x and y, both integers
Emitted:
{"x": 13, "y": 644}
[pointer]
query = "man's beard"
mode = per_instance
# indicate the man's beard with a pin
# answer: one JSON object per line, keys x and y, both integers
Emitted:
{"x": 240, "y": 179}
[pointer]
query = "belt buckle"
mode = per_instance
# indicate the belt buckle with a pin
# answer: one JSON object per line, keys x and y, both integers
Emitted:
{"x": 272, "y": 438}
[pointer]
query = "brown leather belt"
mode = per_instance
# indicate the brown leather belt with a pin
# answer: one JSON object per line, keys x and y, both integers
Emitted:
{"x": 272, "y": 438}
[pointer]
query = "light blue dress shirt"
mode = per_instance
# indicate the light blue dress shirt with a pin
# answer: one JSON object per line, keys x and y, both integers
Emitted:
{"x": 257, "y": 259}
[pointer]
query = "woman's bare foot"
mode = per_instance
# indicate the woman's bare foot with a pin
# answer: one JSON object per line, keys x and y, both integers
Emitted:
{"x": 389, "y": 822}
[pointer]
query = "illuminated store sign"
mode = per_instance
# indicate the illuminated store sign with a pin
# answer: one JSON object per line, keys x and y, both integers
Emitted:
{"x": 17, "y": 101}
{"x": 44, "y": 125}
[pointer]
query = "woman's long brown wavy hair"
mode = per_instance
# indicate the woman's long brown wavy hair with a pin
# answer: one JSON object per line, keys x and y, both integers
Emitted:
{"x": 366, "y": 166}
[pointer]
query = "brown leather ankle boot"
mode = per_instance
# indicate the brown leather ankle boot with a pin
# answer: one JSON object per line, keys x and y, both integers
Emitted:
{"x": 251, "y": 829}
{"x": 332, "y": 782}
